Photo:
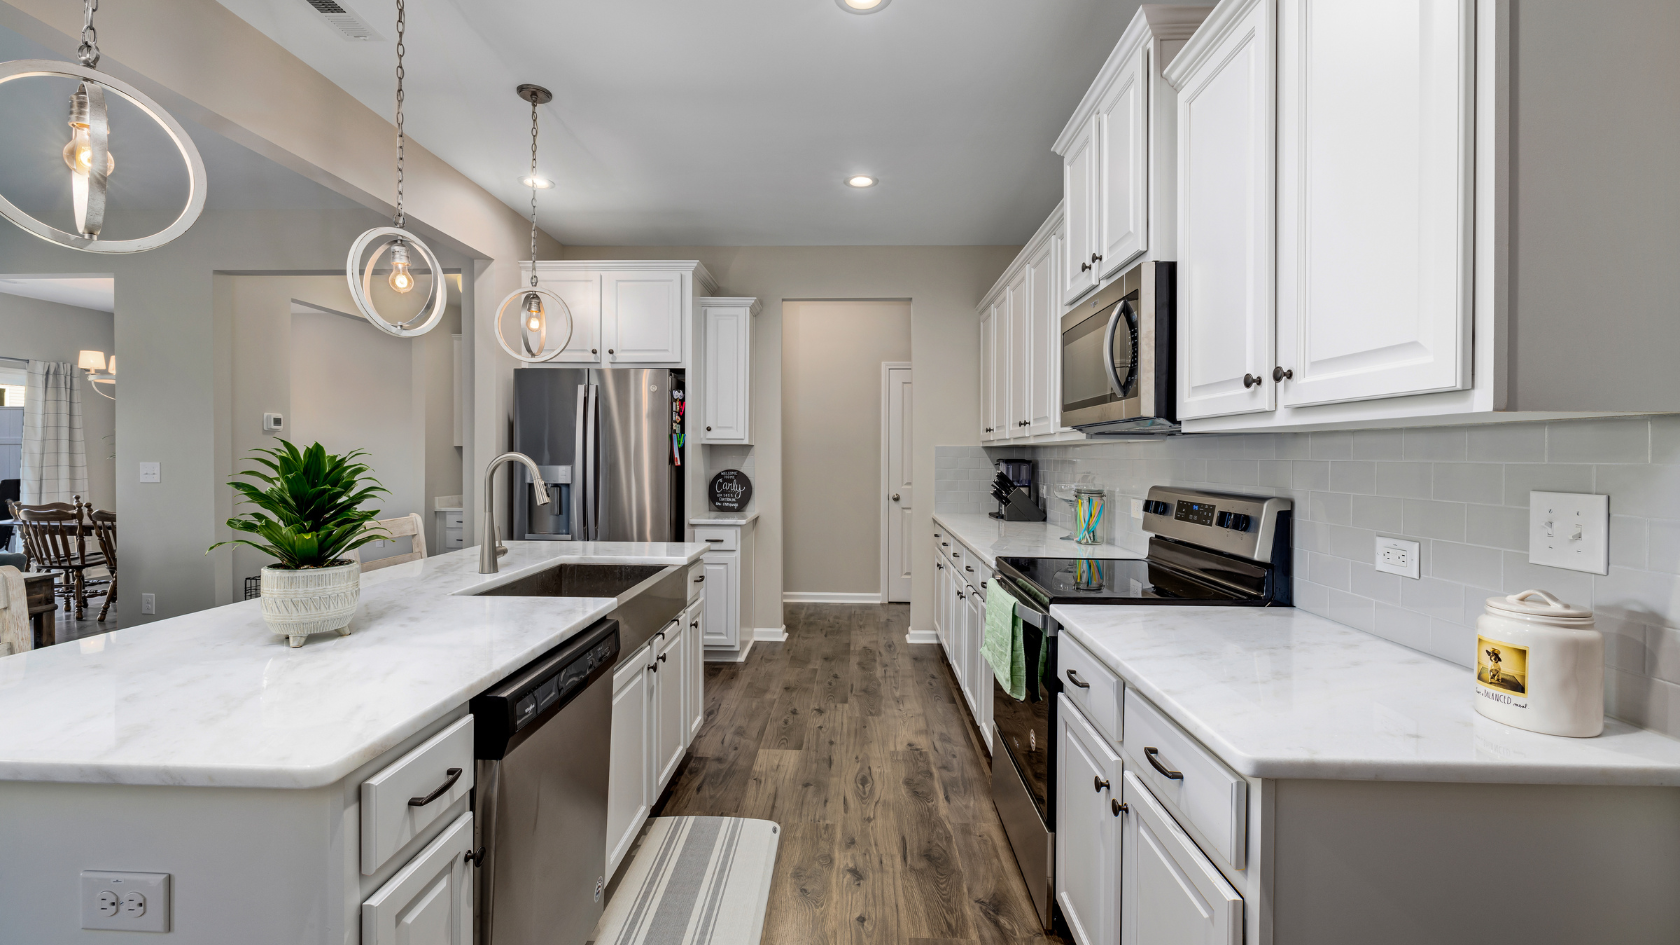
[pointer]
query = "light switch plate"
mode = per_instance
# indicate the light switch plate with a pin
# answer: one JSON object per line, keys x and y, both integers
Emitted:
{"x": 1398, "y": 556}
{"x": 126, "y": 902}
{"x": 1137, "y": 509}
{"x": 151, "y": 472}
{"x": 1569, "y": 530}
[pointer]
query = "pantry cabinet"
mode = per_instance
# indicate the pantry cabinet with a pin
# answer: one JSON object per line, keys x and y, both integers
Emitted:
{"x": 626, "y": 313}
{"x": 726, "y": 370}
{"x": 1020, "y": 345}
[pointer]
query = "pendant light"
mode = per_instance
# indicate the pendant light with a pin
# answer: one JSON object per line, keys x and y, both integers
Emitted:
{"x": 400, "y": 243}
{"x": 88, "y": 154}
{"x": 538, "y": 307}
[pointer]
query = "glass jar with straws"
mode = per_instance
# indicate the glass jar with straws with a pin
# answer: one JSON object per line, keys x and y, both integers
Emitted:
{"x": 1088, "y": 504}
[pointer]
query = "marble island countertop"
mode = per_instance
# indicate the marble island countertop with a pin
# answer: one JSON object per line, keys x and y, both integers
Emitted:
{"x": 214, "y": 699}
{"x": 1281, "y": 693}
{"x": 990, "y": 538}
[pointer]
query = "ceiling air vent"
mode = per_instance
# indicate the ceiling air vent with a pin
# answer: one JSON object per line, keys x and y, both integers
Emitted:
{"x": 348, "y": 25}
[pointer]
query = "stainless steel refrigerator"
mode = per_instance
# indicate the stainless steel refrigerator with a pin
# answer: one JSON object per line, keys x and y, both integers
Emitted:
{"x": 612, "y": 441}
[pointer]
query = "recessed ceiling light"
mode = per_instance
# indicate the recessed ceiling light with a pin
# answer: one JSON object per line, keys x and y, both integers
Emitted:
{"x": 861, "y": 180}
{"x": 863, "y": 6}
{"x": 540, "y": 183}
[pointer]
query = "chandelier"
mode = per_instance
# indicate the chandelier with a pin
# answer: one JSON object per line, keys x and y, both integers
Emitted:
{"x": 536, "y": 304}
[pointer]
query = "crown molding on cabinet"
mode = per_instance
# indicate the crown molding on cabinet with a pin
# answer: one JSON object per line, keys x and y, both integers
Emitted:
{"x": 753, "y": 305}
{"x": 1153, "y": 21}
{"x": 702, "y": 278}
{"x": 1224, "y": 18}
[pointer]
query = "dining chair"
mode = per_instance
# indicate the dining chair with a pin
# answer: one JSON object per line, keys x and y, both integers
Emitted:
{"x": 15, "y": 634}
{"x": 103, "y": 525}
{"x": 409, "y": 525}
{"x": 56, "y": 538}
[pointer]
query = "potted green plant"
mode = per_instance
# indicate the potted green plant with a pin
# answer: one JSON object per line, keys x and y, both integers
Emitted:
{"x": 308, "y": 515}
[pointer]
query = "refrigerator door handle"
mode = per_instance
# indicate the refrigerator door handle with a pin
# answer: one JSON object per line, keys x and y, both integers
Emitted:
{"x": 592, "y": 447}
{"x": 579, "y": 481}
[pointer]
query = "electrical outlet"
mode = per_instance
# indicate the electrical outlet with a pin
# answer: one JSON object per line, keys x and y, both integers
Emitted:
{"x": 125, "y": 902}
{"x": 1569, "y": 530}
{"x": 148, "y": 603}
{"x": 1137, "y": 509}
{"x": 1397, "y": 556}
{"x": 151, "y": 472}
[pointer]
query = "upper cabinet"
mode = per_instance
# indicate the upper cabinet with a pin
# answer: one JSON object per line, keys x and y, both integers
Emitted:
{"x": 1021, "y": 344}
{"x": 1117, "y": 155}
{"x": 627, "y": 313}
{"x": 1368, "y": 236}
{"x": 726, "y": 369}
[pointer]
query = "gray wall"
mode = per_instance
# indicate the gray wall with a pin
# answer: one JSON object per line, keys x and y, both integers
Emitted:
{"x": 50, "y": 331}
{"x": 1462, "y": 493}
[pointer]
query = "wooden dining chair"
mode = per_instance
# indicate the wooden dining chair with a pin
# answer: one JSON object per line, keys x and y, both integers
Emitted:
{"x": 56, "y": 536}
{"x": 15, "y": 633}
{"x": 410, "y": 526}
{"x": 103, "y": 525}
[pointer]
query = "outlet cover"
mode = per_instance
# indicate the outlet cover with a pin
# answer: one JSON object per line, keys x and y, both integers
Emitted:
{"x": 1397, "y": 556}
{"x": 151, "y": 472}
{"x": 1569, "y": 530}
{"x": 148, "y": 603}
{"x": 128, "y": 902}
{"x": 1137, "y": 509}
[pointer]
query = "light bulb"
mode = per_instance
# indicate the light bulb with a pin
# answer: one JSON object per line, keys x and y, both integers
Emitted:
{"x": 533, "y": 312}
{"x": 401, "y": 279}
{"x": 78, "y": 154}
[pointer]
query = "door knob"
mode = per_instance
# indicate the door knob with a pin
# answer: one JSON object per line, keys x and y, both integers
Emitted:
{"x": 1250, "y": 380}
{"x": 1278, "y": 373}
{"x": 895, "y": 497}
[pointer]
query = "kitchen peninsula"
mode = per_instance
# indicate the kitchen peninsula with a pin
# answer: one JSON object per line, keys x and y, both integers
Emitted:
{"x": 204, "y": 748}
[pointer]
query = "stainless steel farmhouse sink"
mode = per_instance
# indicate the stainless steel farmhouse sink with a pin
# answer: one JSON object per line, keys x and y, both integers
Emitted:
{"x": 649, "y": 596}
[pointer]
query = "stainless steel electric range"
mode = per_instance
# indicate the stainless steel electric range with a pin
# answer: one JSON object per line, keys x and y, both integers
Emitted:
{"x": 1205, "y": 549}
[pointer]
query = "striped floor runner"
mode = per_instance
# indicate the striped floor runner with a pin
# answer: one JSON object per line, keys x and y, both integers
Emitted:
{"x": 694, "y": 881}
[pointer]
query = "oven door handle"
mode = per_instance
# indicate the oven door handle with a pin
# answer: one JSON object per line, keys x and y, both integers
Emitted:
{"x": 1028, "y": 613}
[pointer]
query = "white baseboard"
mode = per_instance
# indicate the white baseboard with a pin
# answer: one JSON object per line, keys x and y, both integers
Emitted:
{"x": 770, "y": 634}
{"x": 829, "y": 597}
{"x": 921, "y": 636}
{"x": 726, "y": 655}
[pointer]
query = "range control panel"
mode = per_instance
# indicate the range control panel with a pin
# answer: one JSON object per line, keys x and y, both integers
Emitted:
{"x": 1235, "y": 524}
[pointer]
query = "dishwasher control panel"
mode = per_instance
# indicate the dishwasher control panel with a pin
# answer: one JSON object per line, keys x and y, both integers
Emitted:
{"x": 544, "y": 686}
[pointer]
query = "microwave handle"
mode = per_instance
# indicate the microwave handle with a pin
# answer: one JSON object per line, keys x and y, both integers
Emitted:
{"x": 1115, "y": 385}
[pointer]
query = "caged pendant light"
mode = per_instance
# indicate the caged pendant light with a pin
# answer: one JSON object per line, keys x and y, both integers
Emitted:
{"x": 537, "y": 306}
{"x": 88, "y": 152}
{"x": 400, "y": 243}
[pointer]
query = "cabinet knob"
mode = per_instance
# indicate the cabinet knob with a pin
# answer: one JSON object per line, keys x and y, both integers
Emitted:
{"x": 1096, "y": 257}
{"x": 988, "y": 429}
{"x": 609, "y": 351}
{"x": 1098, "y": 783}
{"x": 708, "y": 429}
{"x": 1250, "y": 380}
{"x": 1084, "y": 267}
{"x": 1115, "y": 805}
{"x": 1278, "y": 373}
{"x": 693, "y": 624}
{"x": 594, "y": 351}
{"x": 895, "y": 497}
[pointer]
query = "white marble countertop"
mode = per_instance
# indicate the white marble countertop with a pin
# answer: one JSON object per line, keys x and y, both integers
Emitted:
{"x": 723, "y": 518}
{"x": 214, "y": 699}
{"x": 989, "y": 538}
{"x": 1281, "y": 693}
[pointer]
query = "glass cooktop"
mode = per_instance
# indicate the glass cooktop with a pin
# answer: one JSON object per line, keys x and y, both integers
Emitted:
{"x": 1112, "y": 581}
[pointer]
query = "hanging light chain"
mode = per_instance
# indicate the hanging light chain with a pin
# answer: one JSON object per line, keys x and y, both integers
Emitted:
{"x": 88, "y": 51}
{"x": 402, "y": 23}
{"x": 533, "y": 192}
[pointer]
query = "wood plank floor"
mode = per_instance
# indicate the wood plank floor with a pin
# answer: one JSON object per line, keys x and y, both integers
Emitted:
{"x": 857, "y": 745}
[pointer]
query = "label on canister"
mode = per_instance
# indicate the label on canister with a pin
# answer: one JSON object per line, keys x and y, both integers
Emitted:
{"x": 1502, "y": 672}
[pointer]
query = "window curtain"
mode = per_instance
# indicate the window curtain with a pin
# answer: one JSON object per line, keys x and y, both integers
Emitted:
{"x": 54, "y": 456}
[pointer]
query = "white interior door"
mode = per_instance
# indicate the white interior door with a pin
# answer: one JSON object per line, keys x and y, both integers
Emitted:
{"x": 897, "y": 479}
{"x": 1375, "y": 126}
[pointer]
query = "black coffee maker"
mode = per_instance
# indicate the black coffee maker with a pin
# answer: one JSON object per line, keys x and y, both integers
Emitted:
{"x": 1013, "y": 490}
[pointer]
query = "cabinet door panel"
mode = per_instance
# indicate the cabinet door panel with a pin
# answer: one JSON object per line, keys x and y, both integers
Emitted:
{"x": 1018, "y": 350}
{"x": 721, "y": 628}
{"x": 990, "y": 422}
{"x": 627, "y": 776}
{"x": 1225, "y": 161}
{"x": 1045, "y": 329}
{"x": 644, "y": 316}
{"x": 582, "y": 294}
{"x": 694, "y": 620}
{"x": 1375, "y": 126}
{"x": 1171, "y": 891}
{"x": 670, "y": 718}
{"x": 1081, "y": 198}
{"x": 728, "y": 339}
{"x": 1087, "y": 835}
{"x": 1122, "y": 123}
{"x": 430, "y": 900}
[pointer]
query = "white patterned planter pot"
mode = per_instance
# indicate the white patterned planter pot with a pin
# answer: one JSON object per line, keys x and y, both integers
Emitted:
{"x": 310, "y": 600}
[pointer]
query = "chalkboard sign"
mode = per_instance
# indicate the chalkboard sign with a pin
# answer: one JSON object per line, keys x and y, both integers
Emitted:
{"x": 731, "y": 490}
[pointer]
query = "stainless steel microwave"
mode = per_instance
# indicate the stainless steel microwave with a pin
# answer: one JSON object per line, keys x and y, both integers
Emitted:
{"x": 1117, "y": 356}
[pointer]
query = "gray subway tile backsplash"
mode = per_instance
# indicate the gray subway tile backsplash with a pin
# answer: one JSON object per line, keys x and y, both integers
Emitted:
{"x": 1461, "y": 492}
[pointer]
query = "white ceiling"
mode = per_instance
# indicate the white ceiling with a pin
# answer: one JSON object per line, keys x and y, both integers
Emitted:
{"x": 681, "y": 122}
{"x": 95, "y": 292}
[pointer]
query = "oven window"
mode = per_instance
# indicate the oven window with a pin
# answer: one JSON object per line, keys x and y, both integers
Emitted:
{"x": 1024, "y": 726}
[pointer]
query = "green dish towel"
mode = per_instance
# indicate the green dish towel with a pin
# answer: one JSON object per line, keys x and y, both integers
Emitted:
{"x": 1002, "y": 645}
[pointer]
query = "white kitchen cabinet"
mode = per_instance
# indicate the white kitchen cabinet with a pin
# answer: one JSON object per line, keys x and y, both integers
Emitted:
{"x": 1225, "y": 81}
{"x": 669, "y": 668}
{"x": 1082, "y": 200}
{"x": 629, "y": 774}
{"x": 958, "y": 653}
{"x": 626, "y": 312}
{"x": 695, "y": 691}
{"x": 1044, "y": 334}
{"x": 991, "y": 424}
{"x": 1021, "y": 344}
{"x": 1121, "y": 197}
{"x": 1375, "y": 144}
{"x": 430, "y": 900}
{"x": 581, "y": 292}
{"x": 941, "y": 587}
{"x": 1088, "y": 851}
{"x": 728, "y": 631}
{"x": 979, "y": 677}
{"x": 1170, "y": 891}
{"x": 1017, "y": 352}
{"x": 644, "y": 315}
{"x": 726, "y": 369}
{"x": 723, "y": 578}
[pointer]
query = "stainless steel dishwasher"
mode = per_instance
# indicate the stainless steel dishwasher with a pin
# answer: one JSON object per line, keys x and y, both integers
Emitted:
{"x": 542, "y": 738}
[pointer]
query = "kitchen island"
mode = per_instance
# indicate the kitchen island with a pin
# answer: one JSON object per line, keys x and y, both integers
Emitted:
{"x": 205, "y": 748}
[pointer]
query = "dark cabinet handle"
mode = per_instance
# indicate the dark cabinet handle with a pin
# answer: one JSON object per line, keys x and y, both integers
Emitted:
{"x": 1100, "y": 783}
{"x": 1150, "y": 753}
{"x": 694, "y": 624}
{"x": 1278, "y": 374}
{"x": 1250, "y": 380}
{"x": 1073, "y": 677}
{"x": 939, "y": 566}
{"x": 960, "y": 596}
{"x": 594, "y": 351}
{"x": 1084, "y": 267}
{"x": 714, "y": 541}
{"x": 1096, "y": 257}
{"x": 968, "y": 567}
{"x": 609, "y": 351}
{"x": 944, "y": 544}
{"x": 476, "y": 859}
{"x": 708, "y": 429}
{"x": 451, "y": 776}
{"x": 700, "y": 580}
{"x": 661, "y": 659}
{"x": 988, "y": 429}
{"x": 1115, "y": 805}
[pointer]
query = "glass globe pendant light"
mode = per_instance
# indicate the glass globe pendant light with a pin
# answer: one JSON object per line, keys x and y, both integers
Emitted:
{"x": 537, "y": 306}
{"x": 400, "y": 243}
{"x": 88, "y": 152}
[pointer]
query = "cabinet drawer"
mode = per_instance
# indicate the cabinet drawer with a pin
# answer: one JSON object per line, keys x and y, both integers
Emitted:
{"x": 1205, "y": 792}
{"x": 388, "y": 820}
{"x": 696, "y": 579}
{"x": 719, "y": 539}
{"x": 454, "y": 519}
{"x": 1099, "y": 696}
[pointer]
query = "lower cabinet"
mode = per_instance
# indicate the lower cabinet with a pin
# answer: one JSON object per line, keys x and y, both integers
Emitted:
{"x": 655, "y": 694}
{"x": 1171, "y": 892}
{"x": 429, "y": 901}
{"x": 695, "y": 679}
{"x": 670, "y": 702}
{"x": 1088, "y": 839}
{"x": 723, "y": 586}
{"x": 627, "y": 779}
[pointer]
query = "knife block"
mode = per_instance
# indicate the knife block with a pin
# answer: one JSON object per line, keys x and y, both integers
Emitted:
{"x": 1019, "y": 508}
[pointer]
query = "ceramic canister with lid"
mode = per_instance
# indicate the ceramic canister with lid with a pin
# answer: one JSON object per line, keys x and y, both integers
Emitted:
{"x": 1540, "y": 665}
